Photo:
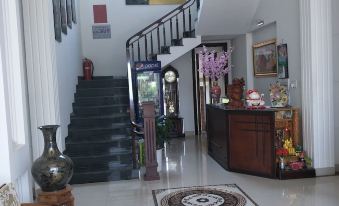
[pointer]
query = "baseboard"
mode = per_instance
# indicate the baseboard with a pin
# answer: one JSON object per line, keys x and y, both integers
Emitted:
{"x": 329, "y": 171}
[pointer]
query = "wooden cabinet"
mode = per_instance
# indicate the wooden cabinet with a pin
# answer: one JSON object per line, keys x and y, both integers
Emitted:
{"x": 244, "y": 141}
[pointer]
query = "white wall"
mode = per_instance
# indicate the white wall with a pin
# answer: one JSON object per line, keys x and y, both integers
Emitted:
{"x": 184, "y": 67}
{"x": 335, "y": 17}
{"x": 239, "y": 57}
{"x": 287, "y": 17}
{"x": 109, "y": 55}
{"x": 69, "y": 67}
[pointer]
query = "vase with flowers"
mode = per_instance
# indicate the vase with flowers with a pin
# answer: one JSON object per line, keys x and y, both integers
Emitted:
{"x": 215, "y": 67}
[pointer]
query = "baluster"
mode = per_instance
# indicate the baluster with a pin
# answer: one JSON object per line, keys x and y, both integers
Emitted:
{"x": 184, "y": 20}
{"x": 132, "y": 52}
{"x": 158, "y": 36}
{"x": 190, "y": 19}
{"x": 177, "y": 25}
{"x": 164, "y": 33}
{"x": 146, "y": 50}
{"x": 152, "y": 51}
{"x": 139, "y": 51}
{"x": 171, "y": 28}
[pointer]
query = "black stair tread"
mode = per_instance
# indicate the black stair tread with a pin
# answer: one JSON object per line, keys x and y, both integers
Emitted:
{"x": 103, "y": 77}
{"x": 105, "y": 88}
{"x": 76, "y": 117}
{"x": 104, "y": 96}
{"x": 102, "y": 106}
{"x": 97, "y": 153}
{"x": 99, "y": 166}
{"x": 113, "y": 126}
{"x": 97, "y": 139}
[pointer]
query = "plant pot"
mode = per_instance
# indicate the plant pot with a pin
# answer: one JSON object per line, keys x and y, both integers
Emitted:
{"x": 52, "y": 170}
{"x": 159, "y": 158}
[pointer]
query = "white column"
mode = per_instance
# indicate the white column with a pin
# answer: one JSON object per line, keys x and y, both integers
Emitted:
{"x": 41, "y": 68}
{"x": 249, "y": 61}
{"x": 317, "y": 83}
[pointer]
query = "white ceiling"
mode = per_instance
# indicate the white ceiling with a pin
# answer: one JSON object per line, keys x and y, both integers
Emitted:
{"x": 226, "y": 17}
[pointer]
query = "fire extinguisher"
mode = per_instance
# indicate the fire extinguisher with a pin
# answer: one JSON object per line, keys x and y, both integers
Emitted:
{"x": 88, "y": 69}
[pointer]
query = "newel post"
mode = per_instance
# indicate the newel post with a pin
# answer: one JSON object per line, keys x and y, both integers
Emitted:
{"x": 150, "y": 144}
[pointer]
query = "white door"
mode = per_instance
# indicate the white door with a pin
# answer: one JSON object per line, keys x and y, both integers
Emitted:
{"x": 15, "y": 139}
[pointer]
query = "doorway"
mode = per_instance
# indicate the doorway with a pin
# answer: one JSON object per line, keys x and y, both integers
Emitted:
{"x": 202, "y": 85}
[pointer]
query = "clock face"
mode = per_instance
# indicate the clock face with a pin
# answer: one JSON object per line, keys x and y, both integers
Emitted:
{"x": 170, "y": 76}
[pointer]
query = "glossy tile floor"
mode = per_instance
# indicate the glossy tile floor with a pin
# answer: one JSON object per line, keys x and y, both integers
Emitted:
{"x": 187, "y": 164}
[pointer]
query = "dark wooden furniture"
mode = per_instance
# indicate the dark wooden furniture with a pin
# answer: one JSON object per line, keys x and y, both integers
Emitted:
{"x": 59, "y": 198}
{"x": 243, "y": 140}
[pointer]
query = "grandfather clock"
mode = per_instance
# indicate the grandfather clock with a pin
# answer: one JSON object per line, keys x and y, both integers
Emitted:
{"x": 170, "y": 78}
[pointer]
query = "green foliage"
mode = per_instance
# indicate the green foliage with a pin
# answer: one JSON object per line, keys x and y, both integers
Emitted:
{"x": 163, "y": 127}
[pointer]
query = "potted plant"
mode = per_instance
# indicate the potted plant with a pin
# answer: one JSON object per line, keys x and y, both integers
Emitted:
{"x": 163, "y": 127}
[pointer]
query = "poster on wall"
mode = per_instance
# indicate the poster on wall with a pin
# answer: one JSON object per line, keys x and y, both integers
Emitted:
{"x": 101, "y": 31}
{"x": 69, "y": 13}
{"x": 63, "y": 16}
{"x": 74, "y": 14}
{"x": 100, "y": 14}
{"x": 282, "y": 61}
{"x": 154, "y": 2}
{"x": 57, "y": 20}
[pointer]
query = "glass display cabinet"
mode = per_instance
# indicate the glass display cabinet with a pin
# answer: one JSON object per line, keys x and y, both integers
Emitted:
{"x": 148, "y": 87}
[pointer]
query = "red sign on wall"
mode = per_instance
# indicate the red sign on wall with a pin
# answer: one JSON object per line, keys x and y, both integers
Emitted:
{"x": 100, "y": 13}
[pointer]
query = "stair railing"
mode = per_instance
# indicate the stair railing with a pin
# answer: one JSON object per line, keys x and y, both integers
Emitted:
{"x": 158, "y": 37}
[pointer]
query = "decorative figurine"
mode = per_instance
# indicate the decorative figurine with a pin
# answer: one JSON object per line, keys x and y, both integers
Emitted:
{"x": 254, "y": 99}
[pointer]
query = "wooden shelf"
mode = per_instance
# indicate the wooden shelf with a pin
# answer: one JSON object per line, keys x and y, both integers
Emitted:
{"x": 295, "y": 174}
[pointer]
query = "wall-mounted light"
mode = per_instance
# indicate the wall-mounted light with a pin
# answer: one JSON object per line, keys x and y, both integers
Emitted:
{"x": 260, "y": 22}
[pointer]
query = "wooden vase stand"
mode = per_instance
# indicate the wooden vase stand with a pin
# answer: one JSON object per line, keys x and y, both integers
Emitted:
{"x": 62, "y": 197}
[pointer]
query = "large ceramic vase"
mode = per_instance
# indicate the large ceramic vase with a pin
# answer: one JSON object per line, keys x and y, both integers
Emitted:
{"x": 53, "y": 170}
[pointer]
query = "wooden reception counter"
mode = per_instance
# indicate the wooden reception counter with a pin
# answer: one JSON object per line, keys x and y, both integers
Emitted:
{"x": 243, "y": 140}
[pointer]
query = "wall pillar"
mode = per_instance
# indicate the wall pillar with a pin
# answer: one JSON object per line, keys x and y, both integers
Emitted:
{"x": 41, "y": 69}
{"x": 317, "y": 83}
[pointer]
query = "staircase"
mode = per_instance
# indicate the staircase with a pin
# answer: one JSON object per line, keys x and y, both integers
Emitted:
{"x": 98, "y": 142}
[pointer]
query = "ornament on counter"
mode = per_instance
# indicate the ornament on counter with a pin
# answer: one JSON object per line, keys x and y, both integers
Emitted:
{"x": 254, "y": 99}
{"x": 282, "y": 153}
{"x": 235, "y": 92}
{"x": 278, "y": 95}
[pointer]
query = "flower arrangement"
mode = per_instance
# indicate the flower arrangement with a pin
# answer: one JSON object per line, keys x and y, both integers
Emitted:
{"x": 281, "y": 152}
{"x": 215, "y": 67}
{"x": 278, "y": 95}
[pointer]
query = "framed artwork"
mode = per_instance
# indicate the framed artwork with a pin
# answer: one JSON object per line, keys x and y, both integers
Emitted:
{"x": 69, "y": 13}
{"x": 154, "y": 2}
{"x": 57, "y": 20}
{"x": 282, "y": 61}
{"x": 63, "y": 16}
{"x": 265, "y": 58}
{"x": 74, "y": 14}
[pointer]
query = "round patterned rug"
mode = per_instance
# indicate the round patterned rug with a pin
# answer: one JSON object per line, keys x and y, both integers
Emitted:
{"x": 203, "y": 197}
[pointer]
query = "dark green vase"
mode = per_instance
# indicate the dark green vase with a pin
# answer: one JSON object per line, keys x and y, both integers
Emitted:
{"x": 53, "y": 170}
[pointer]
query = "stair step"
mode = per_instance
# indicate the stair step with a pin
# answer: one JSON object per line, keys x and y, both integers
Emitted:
{"x": 165, "y": 50}
{"x": 177, "y": 42}
{"x": 97, "y": 166}
{"x": 97, "y": 153}
{"x": 98, "y": 78}
{"x": 189, "y": 34}
{"x": 114, "y": 129}
{"x": 95, "y": 92}
{"x": 101, "y": 110}
{"x": 104, "y": 176}
{"x": 96, "y": 139}
{"x": 99, "y": 145}
{"x": 102, "y": 100}
{"x": 106, "y": 83}
{"x": 123, "y": 158}
{"x": 102, "y": 120}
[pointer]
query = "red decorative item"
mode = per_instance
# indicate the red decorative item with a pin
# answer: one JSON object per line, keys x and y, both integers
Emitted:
{"x": 281, "y": 152}
{"x": 296, "y": 165}
{"x": 215, "y": 92}
{"x": 100, "y": 14}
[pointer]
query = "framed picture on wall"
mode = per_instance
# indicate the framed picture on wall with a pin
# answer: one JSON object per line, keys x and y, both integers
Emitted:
{"x": 63, "y": 16}
{"x": 265, "y": 58}
{"x": 74, "y": 14}
{"x": 282, "y": 61}
{"x": 57, "y": 20}
{"x": 69, "y": 13}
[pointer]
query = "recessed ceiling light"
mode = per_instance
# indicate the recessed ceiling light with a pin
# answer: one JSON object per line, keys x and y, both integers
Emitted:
{"x": 260, "y": 22}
